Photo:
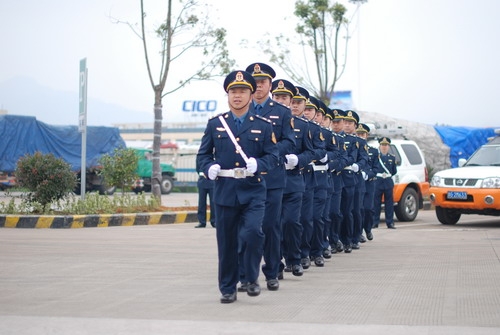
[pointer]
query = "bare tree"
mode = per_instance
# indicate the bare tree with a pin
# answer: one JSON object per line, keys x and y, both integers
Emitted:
{"x": 320, "y": 35}
{"x": 183, "y": 33}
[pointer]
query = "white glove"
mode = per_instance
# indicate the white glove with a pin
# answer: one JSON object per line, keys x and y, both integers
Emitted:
{"x": 213, "y": 171}
{"x": 291, "y": 160}
{"x": 324, "y": 159}
{"x": 252, "y": 165}
{"x": 365, "y": 176}
{"x": 355, "y": 167}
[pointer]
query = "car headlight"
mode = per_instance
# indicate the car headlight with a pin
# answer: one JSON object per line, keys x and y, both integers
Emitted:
{"x": 492, "y": 182}
{"x": 436, "y": 180}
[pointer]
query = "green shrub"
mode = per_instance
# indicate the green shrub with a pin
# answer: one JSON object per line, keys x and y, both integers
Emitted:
{"x": 119, "y": 169}
{"x": 46, "y": 177}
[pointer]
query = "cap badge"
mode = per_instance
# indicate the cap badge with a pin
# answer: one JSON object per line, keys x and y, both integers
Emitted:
{"x": 281, "y": 85}
{"x": 256, "y": 69}
{"x": 239, "y": 76}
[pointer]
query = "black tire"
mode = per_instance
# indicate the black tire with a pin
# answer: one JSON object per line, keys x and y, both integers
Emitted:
{"x": 447, "y": 216}
{"x": 407, "y": 208}
{"x": 167, "y": 184}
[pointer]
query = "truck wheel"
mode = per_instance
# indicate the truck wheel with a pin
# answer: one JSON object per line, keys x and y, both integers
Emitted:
{"x": 167, "y": 184}
{"x": 105, "y": 190}
{"x": 447, "y": 216}
{"x": 407, "y": 208}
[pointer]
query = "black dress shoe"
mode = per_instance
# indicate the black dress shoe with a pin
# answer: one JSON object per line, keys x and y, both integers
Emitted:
{"x": 319, "y": 261}
{"x": 355, "y": 246}
{"x": 375, "y": 226}
{"x": 369, "y": 236}
{"x": 327, "y": 253}
{"x": 243, "y": 287}
{"x": 253, "y": 289}
{"x": 347, "y": 248}
{"x": 200, "y": 226}
{"x": 306, "y": 263}
{"x": 340, "y": 246}
{"x": 362, "y": 239}
{"x": 391, "y": 226}
{"x": 273, "y": 284}
{"x": 280, "y": 275}
{"x": 288, "y": 268}
{"x": 297, "y": 270}
{"x": 228, "y": 298}
{"x": 333, "y": 249}
{"x": 212, "y": 224}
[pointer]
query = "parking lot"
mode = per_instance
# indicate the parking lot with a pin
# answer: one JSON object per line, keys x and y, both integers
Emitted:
{"x": 422, "y": 278}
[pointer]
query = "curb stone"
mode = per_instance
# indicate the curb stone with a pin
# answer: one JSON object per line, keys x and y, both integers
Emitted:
{"x": 101, "y": 220}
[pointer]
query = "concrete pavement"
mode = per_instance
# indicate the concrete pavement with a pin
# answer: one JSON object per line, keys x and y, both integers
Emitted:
{"x": 423, "y": 278}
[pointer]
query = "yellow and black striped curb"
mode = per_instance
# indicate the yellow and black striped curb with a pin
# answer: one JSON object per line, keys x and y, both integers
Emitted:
{"x": 102, "y": 220}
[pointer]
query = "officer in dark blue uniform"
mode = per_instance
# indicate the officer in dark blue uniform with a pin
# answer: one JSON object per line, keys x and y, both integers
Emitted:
{"x": 295, "y": 163}
{"x": 336, "y": 169}
{"x": 336, "y": 161}
{"x": 309, "y": 214}
{"x": 384, "y": 185}
{"x": 359, "y": 190}
{"x": 205, "y": 188}
{"x": 323, "y": 185}
{"x": 350, "y": 180}
{"x": 280, "y": 117}
{"x": 236, "y": 148}
{"x": 369, "y": 174}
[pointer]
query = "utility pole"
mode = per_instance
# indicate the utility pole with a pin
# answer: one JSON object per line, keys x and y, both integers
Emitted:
{"x": 358, "y": 4}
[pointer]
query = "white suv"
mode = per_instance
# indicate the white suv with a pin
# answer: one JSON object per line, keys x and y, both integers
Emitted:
{"x": 472, "y": 188}
{"x": 411, "y": 183}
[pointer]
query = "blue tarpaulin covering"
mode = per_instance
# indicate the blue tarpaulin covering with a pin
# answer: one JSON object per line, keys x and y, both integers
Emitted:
{"x": 463, "y": 141}
{"x": 21, "y": 135}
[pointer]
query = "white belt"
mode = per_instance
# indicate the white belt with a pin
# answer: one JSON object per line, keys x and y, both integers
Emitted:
{"x": 383, "y": 175}
{"x": 320, "y": 167}
{"x": 237, "y": 173}
{"x": 348, "y": 168}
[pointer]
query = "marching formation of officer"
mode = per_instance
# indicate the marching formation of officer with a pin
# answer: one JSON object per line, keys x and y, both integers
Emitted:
{"x": 295, "y": 181}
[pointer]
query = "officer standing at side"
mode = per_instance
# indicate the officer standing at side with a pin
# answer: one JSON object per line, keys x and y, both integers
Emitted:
{"x": 205, "y": 188}
{"x": 236, "y": 148}
{"x": 384, "y": 184}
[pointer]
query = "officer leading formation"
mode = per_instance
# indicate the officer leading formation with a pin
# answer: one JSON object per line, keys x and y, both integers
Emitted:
{"x": 294, "y": 181}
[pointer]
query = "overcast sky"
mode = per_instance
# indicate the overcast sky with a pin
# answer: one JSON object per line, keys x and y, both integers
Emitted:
{"x": 431, "y": 61}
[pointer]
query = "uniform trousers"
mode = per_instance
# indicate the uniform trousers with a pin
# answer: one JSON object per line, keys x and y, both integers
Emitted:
{"x": 271, "y": 226}
{"x": 326, "y": 216}
{"x": 306, "y": 219}
{"x": 292, "y": 228}
{"x": 335, "y": 210}
{"x": 239, "y": 228}
{"x": 319, "y": 202}
{"x": 357, "y": 209}
{"x": 347, "y": 218}
{"x": 385, "y": 187}
{"x": 368, "y": 205}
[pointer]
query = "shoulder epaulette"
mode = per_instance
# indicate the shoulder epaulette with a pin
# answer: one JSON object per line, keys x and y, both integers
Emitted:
{"x": 213, "y": 117}
{"x": 262, "y": 118}
{"x": 301, "y": 119}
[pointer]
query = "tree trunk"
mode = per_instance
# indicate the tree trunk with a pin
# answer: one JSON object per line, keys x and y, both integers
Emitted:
{"x": 156, "y": 177}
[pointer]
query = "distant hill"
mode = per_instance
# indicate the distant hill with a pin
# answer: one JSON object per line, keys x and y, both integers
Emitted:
{"x": 25, "y": 96}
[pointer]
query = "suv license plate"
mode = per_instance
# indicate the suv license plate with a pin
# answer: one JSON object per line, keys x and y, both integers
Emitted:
{"x": 453, "y": 195}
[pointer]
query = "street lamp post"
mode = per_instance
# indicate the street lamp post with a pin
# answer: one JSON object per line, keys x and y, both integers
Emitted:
{"x": 358, "y": 4}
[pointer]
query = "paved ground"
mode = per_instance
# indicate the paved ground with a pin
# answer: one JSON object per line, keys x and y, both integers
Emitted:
{"x": 423, "y": 278}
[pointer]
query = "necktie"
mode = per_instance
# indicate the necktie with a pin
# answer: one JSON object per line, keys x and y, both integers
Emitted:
{"x": 237, "y": 122}
{"x": 257, "y": 109}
